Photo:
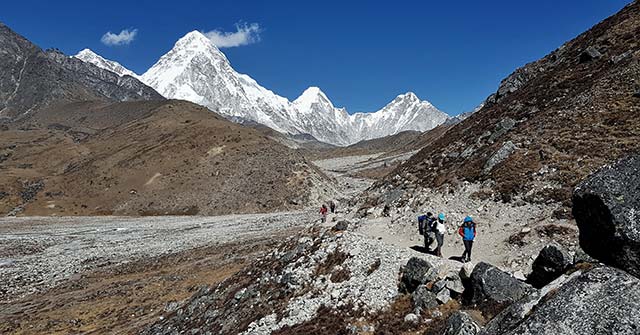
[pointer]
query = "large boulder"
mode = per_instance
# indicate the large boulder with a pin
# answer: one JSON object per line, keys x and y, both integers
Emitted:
{"x": 460, "y": 323}
{"x": 511, "y": 316}
{"x": 416, "y": 272}
{"x": 495, "y": 287}
{"x": 604, "y": 300}
{"x": 552, "y": 261}
{"x": 606, "y": 207}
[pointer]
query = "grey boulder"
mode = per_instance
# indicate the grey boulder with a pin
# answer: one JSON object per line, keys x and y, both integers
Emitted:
{"x": 416, "y": 272}
{"x": 460, "y": 323}
{"x": 552, "y": 261}
{"x": 423, "y": 298}
{"x": 495, "y": 287}
{"x": 606, "y": 207}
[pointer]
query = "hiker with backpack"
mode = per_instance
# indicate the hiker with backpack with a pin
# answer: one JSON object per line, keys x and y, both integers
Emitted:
{"x": 332, "y": 206}
{"x": 468, "y": 233}
{"x": 323, "y": 212}
{"x": 440, "y": 230}
{"x": 425, "y": 228}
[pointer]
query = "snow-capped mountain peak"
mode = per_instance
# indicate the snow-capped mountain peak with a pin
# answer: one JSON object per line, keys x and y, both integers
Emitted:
{"x": 312, "y": 95}
{"x": 197, "y": 71}
{"x": 87, "y": 55}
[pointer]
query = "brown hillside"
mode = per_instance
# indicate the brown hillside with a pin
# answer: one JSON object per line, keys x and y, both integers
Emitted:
{"x": 550, "y": 124}
{"x": 146, "y": 158}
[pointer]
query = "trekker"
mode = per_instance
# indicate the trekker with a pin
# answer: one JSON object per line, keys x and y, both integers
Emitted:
{"x": 323, "y": 212}
{"x": 468, "y": 233}
{"x": 440, "y": 229}
{"x": 332, "y": 206}
{"x": 425, "y": 227}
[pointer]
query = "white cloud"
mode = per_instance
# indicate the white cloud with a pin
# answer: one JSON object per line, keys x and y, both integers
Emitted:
{"x": 126, "y": 36}
{"x": 244, "y": 34}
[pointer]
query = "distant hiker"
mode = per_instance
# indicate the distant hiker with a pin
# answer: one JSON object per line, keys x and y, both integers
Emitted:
{"x": 425, "y": 227}
{"x": 468, "y": 233}
{"x": 323, "y": 212}
{"x": 332, "y": 205}
{"x": 440, "y": 229}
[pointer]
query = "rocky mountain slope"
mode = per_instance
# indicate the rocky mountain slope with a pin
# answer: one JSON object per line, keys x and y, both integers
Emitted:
{"x": 549, "y": 124}
{"x": 196, "y": 70}
{"x": 148, "y": 158}
{"x": 335, "y": 281}
{"x": 31, "y": 78}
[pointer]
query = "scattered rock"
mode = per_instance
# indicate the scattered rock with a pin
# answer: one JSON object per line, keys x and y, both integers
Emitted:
{"x": 502, "y": 128}
{"x": 618, "y": 58}
{"x": 519, "y": 275}
{"x": 423, "y": 298}
{"x": 606, "y": 207}
{"x": 466, "y": 271}
{"x": 411, "y": 318}
{"x": 505, "y": 151}
{"x": 460, "y": 323}
{"x": 443, "y": 296}
{"x": 414, "y": 274}
{"x": 582, "y": 257}
{"x": 453, "y": 282}
{"x": 341, "y": 225}
{"x": 552, "y": 261}
{"x": 589, "y": 54}
{"x": 494, "y": 286}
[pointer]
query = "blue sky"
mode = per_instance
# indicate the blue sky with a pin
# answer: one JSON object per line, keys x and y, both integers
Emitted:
{"x": 362, "y": 54}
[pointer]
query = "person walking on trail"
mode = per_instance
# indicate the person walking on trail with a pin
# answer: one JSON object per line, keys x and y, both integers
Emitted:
{"x": 332, "y": 206}
{"x": 440, "y": 229}
{"x": 468, "y": 233}
{"x": 425, "y": 227}
{"x": 323, "y": 212}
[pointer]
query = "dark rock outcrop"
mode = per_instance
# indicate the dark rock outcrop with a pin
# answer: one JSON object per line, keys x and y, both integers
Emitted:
{"x": 606, "y": 207}
{"x": 589, "y": 54}
{"x": 460, "y": 323}
{"x": 552, "y": 261}
{"x": 416, "y": 272}
{"x": 495, "y": 287}
{"x": 604, "y": 300}
{"x": 31, "y": 78}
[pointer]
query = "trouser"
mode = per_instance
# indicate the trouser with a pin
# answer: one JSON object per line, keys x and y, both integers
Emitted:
{"x": 440, "y": 240}
{"x": 427, "y": 240}
{"x": 468, "y": 244}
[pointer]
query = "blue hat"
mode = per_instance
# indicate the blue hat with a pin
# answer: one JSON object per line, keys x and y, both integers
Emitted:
{"x": 468, "y": 219}
{"x": 441, "y": 216}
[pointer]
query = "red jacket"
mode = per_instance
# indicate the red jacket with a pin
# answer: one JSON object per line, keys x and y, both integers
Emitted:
{"x": 323, "y": 210}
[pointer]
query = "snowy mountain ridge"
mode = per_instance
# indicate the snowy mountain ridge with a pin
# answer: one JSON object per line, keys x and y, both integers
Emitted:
{"x": 197, "y": 71}
{"x": 89, "y": 56}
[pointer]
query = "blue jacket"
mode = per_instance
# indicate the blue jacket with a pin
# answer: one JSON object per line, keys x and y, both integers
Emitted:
{"x": 468, "y": 233}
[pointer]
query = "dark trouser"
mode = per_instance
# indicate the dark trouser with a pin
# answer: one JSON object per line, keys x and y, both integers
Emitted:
{"x": 468, "y": 244}
{"x": 440, "y": 240}
{"x": 427, "y": 240}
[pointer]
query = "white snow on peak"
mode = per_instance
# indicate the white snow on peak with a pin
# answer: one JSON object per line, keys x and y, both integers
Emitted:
{"x": 197, "y": 71}
{"x": 87, "y": 55}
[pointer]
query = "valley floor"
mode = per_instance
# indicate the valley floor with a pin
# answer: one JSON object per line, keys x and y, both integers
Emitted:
{"x": 119, "y": 274}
